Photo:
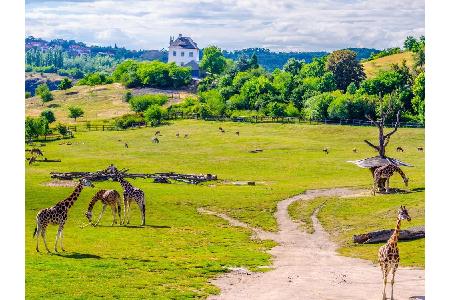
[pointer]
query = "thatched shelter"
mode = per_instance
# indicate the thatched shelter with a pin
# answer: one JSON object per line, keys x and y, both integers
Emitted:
{"x": 378, "y": 161}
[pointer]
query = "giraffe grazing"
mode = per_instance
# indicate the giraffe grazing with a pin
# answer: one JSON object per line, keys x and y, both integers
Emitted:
{"x": 32, "y": 160}
{"x": 400, "y": 149}
{"x": 130, "y": 193}
{"x": 388, "y": 254}
{"x": 384, "y": 173}
{"x": 57, "y": 215}
{"x": 220, "y": 128}
{"x": 107, "y": 197}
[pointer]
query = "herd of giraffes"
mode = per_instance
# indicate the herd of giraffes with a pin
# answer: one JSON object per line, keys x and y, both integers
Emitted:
{"x": 388, "y": 254}
{"x": 57, "y": 214}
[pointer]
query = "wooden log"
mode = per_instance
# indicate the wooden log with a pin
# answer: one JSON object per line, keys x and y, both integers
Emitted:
{"x": 382, "y": 236}
{"x": 46, "y": 160}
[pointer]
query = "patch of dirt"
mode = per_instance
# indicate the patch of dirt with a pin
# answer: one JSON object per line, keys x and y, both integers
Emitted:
{"x": 306, "y": 266}
{"x": 64, "y": 183}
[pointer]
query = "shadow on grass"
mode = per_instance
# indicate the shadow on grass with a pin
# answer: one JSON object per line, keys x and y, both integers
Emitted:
{"x": 152, "y": 226}
{"x": 76, "y": 255}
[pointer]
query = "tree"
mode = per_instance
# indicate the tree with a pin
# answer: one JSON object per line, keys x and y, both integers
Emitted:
{"x": 345, "y": 68}
{"x": 35, "y": 127}
{"x": 214, "y": 103}
{"x": 65, "y": 84}
{"x": 410, "y": 43}
{"x": 254, "y": 61}
{"x": 316, "y": 107}
{"x": 27, "y": 95}
{"x": 351, "y": 88}
{"x": 49, "y": 115}
{"x": 293, "y": 66}
{"x": 127, "y": 96}
{"x": 418, "y": 102}
{"x": 44, "y": 92}
{"x": 142, "y": 102}
{"x": 213, "y": 60}
{"x": 61, "y": 129}
{"x": 275, "y": 109}
{"x": 75, "y": 112}
{"x": 154, "y": 114}
{"x": 385, "y": 109}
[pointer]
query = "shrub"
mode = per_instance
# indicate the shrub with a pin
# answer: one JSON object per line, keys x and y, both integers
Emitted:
{"x": 27, "y": 95}
{"x": 316, "y": 107}
{"x": 61, "y": 129}
{"x": 49, "y": 115}
{"x": 44, "y": 92}
{"x": 214, "y": 104}
{"x": 275, "y": 109}
{"x": 75, "y": 112}
{"x": 95, "y": 79}
{"x": 127, "y": 96}
{"x": 142, "y": 102}
{"x": 129, "y": 120}
{"x": 65, "y": 84}
{"x": 154, "y": 114}
{"x": 291, "y": 110}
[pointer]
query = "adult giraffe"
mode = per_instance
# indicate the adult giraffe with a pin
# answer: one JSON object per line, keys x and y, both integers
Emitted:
{"x": 57, "y": 215}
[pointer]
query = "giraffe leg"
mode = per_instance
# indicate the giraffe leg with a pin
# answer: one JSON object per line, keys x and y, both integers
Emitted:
{"x": 128, "y": 212}
{"x": 43, "y": 234}
{"x": 143, "y": 213}
{"x": 392, "y": 281}
{"x": 114, "y": 212}
{"x": 385, "y": 270}
{"x": 58, "y": 235}
{"x": 38, "y": 232}
{"x": 101, "y": 215}
{"x": 118, "y": 210}
{"x": 387, "y": 186}
{"x": 61, "y": 240}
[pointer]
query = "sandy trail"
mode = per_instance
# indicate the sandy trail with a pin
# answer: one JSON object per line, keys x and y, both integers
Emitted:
{"x": 306, "y": 266}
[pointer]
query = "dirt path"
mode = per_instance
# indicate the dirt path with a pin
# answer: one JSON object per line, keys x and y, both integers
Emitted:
{"x": 306, "y": 266}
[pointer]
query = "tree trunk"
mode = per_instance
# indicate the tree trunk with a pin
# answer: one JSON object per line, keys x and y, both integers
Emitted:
{"x": 381, "y": 236}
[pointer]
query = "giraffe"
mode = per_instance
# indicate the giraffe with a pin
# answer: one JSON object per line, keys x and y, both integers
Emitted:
{"x": 129, "y": 193}
{"x": 388, "y": 254}
{"x": 107, "y": 197}
{"x": 57, "y": 215}
{"x": 384, "y": 173}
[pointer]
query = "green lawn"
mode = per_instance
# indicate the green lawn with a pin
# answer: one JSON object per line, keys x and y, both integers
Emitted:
{"x": 180, "y": 250}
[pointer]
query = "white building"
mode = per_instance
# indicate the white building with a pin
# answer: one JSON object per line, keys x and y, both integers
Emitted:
{"x": 184, "y": 52}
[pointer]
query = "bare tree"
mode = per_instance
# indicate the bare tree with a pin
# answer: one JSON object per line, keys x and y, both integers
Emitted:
{"x": 383, "y": 139}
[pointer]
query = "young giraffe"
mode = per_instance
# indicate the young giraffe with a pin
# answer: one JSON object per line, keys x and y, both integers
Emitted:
{"x": 57, "y": 215}
{"x": 107, "y": 197}
{"x": 388, "y": 255}
{"x": 384, "y": 173}
{"x": 130, "y": 193}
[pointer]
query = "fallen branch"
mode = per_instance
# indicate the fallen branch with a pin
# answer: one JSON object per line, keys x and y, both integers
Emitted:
{"x": 45, "y": 160}
{"x": 380, "y": 236}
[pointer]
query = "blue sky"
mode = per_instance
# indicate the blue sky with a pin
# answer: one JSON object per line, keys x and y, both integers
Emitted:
{"x": 284, "y": 25}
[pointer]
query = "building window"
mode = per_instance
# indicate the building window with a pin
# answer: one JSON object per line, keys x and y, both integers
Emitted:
{"x": 182, "y": 53}
{"x": 174, "y": 53}
{"x": 191, "y": 54}
{"x": 182, "y": 63}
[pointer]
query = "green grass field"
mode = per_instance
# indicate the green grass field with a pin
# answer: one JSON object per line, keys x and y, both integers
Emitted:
{"x": 180, "y": 249}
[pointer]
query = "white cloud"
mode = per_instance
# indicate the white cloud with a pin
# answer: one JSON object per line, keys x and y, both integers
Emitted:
{"x": 231, "y": 24}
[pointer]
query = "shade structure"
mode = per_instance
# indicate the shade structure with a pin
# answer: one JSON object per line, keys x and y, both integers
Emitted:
{"x": 378, "y": 161}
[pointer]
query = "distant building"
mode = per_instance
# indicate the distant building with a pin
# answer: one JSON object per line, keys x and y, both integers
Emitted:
{"x": 184, "y": 52}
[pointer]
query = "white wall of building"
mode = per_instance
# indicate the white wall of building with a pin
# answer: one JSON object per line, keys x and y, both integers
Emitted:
{"x": 181, "y": 55}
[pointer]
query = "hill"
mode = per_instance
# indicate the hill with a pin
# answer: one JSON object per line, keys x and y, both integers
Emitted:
{"x": 371, "y": 68}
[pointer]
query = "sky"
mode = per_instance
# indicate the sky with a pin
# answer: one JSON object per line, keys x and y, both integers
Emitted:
{"x": 283, "y": 25}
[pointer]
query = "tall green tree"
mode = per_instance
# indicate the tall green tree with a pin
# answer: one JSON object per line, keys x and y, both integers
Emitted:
{"x": 213, "y": 60}
{"x": 418, "y": 102}
{"x": 293, "y": 66}
{"x": 345, "y": 68}
{"x": 49, "y": 115}
{"x": 44, "y": 92}
{"x": 75, "y": 112}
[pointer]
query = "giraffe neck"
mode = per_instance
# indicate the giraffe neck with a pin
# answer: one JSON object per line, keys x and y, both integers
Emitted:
{"x": 401, "y": 173}
{"x": 125, "y": 184}
{"x": 95, "y": 199}
{"x": 69, "y": 201}
{"x": 394, "y": 237}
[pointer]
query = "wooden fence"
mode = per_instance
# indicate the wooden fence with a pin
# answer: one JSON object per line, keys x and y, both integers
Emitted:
{"x": 245, "y": 119}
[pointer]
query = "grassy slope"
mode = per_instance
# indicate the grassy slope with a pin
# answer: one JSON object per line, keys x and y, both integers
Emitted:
{"x": 180, "y": 250}
{"x": 371, "y": 68}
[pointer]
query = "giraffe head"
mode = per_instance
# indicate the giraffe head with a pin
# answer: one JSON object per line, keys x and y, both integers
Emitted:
{"x": 88, "y": 215}
{"x": 403, "y": 213}
{"x": 405, "y": 180}
{"x": 86, "y": 182}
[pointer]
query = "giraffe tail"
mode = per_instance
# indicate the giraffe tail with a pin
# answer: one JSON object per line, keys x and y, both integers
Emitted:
{"x": 35, "y": 230}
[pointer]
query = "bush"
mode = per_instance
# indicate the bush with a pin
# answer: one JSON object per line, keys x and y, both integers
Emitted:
{"x": 49, "y": 115}
{"x": 129, "y": 120}
{"x": 275, "y": 109}
{"x": 35, "y": 127}
{"x": 154, "y": 114}
{"x": 95, "y": 79}
{"x": 61, "y": 129}
{"x": 127, "y": 96}
{"x": 44, "y": 92}
{"x": 142, "y": 102}
{"x": 65, "y": 84}
{"x": 27, "y": 95}
{"x": 214, "y": 104}
{"x": 75, "y": 112}
{"x": 291, "y": 110}
{"x": 316, "y": 107}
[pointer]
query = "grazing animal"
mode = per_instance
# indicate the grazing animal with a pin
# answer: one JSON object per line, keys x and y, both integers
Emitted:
{"x": 325, "y": 150}
{"x": 130, "y": 193}
{"x": 400, "y": 149}
{"x": 126, "y": 145}
{"x": 36, "y": 151}
{"x": 155, "y": 140}
{"x": 32, "y": 160}
{"x": 57, "y": 215}
{"x": 237, "y": 132}
{"x": 186, "y": 135}
{"x": 355, "y": 150}
{"x": 119, "y": 140}
{"x": 223, "y": 131}
{"x": 388, "y": 254}
{"x": 107, "y": 197}
{"x": 419, "y": 148}
{"x": 220, "y": 128}
{"x": 384, "y": 173}
{"x": 157, "y": 133}
{"x": 178, "y": 134}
